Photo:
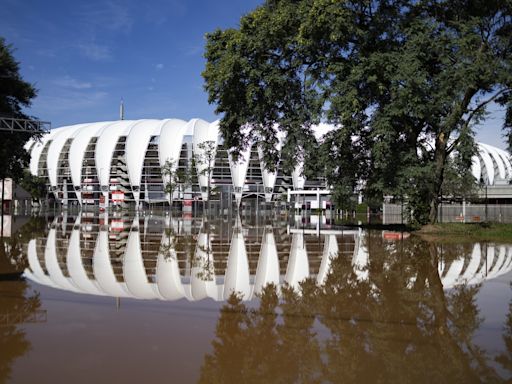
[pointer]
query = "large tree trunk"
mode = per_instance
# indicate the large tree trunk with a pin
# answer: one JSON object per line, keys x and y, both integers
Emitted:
{"x": 439, "y": 164}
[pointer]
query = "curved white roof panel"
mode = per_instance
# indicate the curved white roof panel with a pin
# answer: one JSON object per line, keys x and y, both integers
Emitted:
{"x": 491, "y": 164}
{"x": 105, "y": 146}
{"x": 54, "y": 151}
{"x": 171, "y": 140}
{"x": 79, "y": 145}
{"x": 135, "y": 150}
{"x": 38, "y": 149}
{"x": 496, "y": 159}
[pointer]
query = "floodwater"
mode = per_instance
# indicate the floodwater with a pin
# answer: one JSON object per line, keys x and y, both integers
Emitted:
{"x": 88, "y": 298}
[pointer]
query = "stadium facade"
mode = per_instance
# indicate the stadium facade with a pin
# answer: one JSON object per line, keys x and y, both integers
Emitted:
{"x": 120, "y": 162}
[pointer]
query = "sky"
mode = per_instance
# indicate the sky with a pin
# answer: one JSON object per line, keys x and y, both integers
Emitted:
{"x": 85, "y": 56}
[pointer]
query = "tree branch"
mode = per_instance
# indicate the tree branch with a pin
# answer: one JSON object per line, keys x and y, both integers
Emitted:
{"x": 474, "y": 111}
{"x": 484, "y": 103}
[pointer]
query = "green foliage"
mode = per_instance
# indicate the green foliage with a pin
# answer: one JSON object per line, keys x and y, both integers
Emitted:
{"x": 459, "y": 183}
{"x": 175, "y": 178}
{"x": 15, "y": 94}
{"x": 205, "y": 158}
{"x": 403, "y": 81}
{"x": 460, "y": 232}
{"x": 34, "y": 185}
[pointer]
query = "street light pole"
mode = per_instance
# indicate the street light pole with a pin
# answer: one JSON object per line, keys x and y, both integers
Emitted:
{"x": 484, "y": 184}
{"x": 486, "y": 202}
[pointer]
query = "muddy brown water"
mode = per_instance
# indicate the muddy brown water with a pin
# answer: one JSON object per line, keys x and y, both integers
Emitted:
{"x": 87, "y": 298}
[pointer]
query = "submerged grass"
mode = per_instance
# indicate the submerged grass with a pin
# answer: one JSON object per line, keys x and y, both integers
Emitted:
{"x": 468, "y": 231}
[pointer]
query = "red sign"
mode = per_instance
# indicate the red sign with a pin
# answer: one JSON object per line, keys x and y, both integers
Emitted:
{"x": 395, "y": 235}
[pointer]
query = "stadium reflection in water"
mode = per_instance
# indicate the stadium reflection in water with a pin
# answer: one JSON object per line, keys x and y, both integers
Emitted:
{"x": 170, "y": 259}
{"x": 241, "y": 300}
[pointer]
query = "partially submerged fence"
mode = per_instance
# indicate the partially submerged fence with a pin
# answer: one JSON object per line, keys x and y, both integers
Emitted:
{"x": 453, "y": 213}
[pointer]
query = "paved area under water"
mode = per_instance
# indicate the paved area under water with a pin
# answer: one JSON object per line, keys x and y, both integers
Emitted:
{"x": 118, "y": 298}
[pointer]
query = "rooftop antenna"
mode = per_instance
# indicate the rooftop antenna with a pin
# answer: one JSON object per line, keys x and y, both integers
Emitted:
{"x": 121, "y": 110}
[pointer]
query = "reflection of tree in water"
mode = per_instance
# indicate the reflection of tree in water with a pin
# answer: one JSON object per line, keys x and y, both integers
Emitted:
{"x": 18, "y": 303}
{"x": 398, "y": 325}
{"x": 202, "y": 259}
{"x": 13, "y": 248}
{"x": 505, "y": 359}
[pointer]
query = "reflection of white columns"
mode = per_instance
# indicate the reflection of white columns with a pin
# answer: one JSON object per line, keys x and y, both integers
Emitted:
{"x": 237, "y": 271}
{"x": 202, "y": 274}
{"x": 451, "y": 277}
{"x": 36, "y": 272}
{"x": 474, "y": 263}
{"x": 489, "y": 260}
{"x": 495, "y": 269}
{"x": 75, "y": 266}
{"x": 508, "y": 262}
{"x": 361, "y": 258}
{"x": 133, "y": 267}
{"x": 52, "y": 264}
{"x": 168, "y": 278}
{"x": 330, "y": 252}
{"x": 298, "y": 265}
{"x": 102, "y": 268}
{"x": 267, "y": 271}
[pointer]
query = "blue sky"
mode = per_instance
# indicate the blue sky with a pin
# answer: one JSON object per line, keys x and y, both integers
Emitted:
{"x": 84, "y": 56}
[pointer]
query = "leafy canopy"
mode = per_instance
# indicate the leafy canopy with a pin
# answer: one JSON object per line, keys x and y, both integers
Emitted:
{"x": 15, "y": 94}
{"x": 403, "y": 81}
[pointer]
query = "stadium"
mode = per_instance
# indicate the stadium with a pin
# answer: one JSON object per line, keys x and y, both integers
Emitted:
{"x": 120, "y": 163}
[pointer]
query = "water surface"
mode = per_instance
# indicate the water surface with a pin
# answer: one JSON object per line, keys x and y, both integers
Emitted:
{"x": 119, "y": 298}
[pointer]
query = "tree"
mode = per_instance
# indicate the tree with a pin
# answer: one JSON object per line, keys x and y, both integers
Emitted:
{"x": 15, "y": 94}
{"x": 171, "y": 179}
{"x": 34, "y": 185}
{"x": 403, "y": 81}
{"x": 175, "y": 178}
{"x": 205, "y": 158}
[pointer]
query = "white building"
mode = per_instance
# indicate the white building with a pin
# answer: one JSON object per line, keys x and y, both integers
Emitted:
{"x": 121, "y": 161}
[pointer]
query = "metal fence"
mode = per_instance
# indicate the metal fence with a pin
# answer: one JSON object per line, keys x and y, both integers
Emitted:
{"x": 453, "y": 213}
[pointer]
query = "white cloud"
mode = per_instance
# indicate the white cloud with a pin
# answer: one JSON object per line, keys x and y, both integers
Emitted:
{"x": 112, "y": 15}
{"x": 95, "y": 51}
{"x": 46, "y": 52}
{"x": 68, "y": 101}
{"x": 159, "y": 66}
{"x": 70, "y": 82}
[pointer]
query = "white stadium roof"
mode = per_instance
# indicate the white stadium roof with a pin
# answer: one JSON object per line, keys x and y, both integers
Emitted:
{"x": 490, "y": 164}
